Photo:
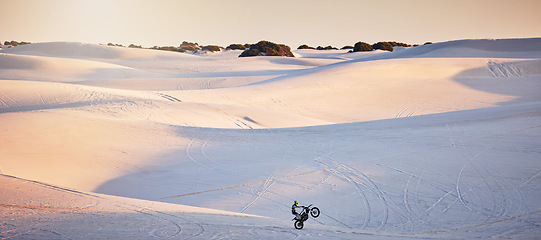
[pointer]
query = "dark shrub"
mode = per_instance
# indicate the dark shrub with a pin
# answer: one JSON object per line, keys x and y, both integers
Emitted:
{"x": 167, "y": 48}
{"x": 285, "y": 51}
{"x": 326, "y": 48}
{"x": 135, "y": 46}
{"x": 114, "y": 45}
{"x": 250, "y": 53}
{"x": 399, "y": 44}
{"x": 304, "y": 46}
{"x": 212, "y": 48}
{"x": 188, "y": 46}
{"x": 383, "y": 46}
{"x": 266, "y": 48}
{"x": 362, "y": 47}
{"x": 15, "y": 43}
{"x": 236, "y": 47}
{"x": 347, "y": 47}
{"x": 269, "y": 48}
{"x": 426, "y": 43}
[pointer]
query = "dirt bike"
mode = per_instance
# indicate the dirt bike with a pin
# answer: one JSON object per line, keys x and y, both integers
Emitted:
{"x": 303, "y": 216}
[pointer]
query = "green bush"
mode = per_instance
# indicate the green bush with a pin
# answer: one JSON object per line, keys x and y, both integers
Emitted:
{"x": 399, "y": 44}
{"x": 362, "y": 47}
{"x": 236, "y": 47}
{"x": 167, "y": 48}
{"x": 114, "y": 45}
{"x": 212, "y": 48}
{"x": 285, "y": 51}
{"x": 250, "y": 53}
{"x": 326, "y": 48}
{"x": 189, "y": 46}
{"x": 266, "y": 48}
{"x": 383, "y": 46}
{"x": 15, "y": 43}
{"x": 304, "y": 46}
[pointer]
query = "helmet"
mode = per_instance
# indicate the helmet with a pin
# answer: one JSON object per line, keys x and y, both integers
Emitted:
{"x": 296, "y": 203}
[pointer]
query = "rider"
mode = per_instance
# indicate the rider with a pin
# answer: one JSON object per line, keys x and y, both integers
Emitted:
{"x": 294, "y": 209}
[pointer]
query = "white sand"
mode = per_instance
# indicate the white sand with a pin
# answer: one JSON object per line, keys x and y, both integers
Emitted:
{"x": 437, "y": 141}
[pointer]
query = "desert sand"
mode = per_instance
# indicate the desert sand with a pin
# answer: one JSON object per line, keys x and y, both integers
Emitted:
{"x": 438, "y": 141}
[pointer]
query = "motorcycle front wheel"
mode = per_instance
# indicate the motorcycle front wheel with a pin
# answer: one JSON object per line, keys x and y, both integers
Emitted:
{"x": 299, "y": 224}
{"x": 314, "y": 212}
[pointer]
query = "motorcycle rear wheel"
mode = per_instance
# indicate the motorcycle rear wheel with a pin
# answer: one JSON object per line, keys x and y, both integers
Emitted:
{"x": 299, "y": 224}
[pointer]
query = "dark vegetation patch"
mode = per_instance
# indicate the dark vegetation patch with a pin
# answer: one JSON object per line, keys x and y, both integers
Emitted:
{"x": 266, "y": 48}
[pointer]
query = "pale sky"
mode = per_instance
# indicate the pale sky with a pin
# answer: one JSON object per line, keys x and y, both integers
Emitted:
{"x": 291, "y": 22}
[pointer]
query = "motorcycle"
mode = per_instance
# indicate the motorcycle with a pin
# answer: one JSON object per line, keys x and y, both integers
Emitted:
{"x": 303, "y": 216}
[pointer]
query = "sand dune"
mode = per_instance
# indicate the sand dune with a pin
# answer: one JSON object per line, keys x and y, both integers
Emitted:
{"x": 436, "y": 141}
